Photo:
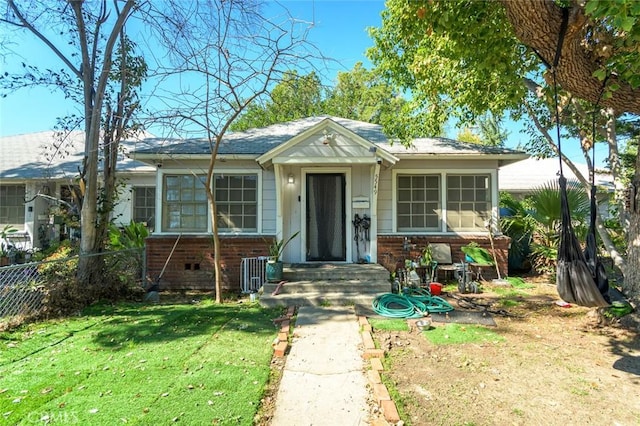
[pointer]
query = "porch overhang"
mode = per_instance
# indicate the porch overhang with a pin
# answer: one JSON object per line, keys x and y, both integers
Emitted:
{"x": 327, "y": 143}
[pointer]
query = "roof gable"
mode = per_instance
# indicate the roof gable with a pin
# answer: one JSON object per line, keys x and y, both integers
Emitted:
{"x": 329, "y": 141}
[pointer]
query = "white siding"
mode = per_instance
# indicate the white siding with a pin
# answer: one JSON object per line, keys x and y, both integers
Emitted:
{"x": 268, "y": 202}
{"x": 385, "y": 198}
{"x": 123, "y": 210}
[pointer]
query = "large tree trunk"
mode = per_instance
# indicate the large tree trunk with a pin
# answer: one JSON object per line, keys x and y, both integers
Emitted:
{"x": 537, "y": 25}
{"x": 631, "y": 284}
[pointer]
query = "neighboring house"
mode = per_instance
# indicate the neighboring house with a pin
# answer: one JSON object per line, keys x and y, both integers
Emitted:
{"x": 521, "y": 178}
{"x": 318, "y": 176}
{"x": 38, "y": 174}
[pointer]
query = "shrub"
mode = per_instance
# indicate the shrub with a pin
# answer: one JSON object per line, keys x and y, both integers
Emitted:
{"x": 58, "y": 275}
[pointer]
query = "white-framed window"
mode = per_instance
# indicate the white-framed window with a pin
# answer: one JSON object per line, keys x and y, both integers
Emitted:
{"x": 236, "y": 202}
{"x": 144, "y": 205}
{"x": 184, "y": 203}
{"x": 442, "y": 201}
{"x": 468, "y": 201}
{"x": 185, "y": 207}
{"x": 418, "y": 205}
{"x": 12, "y": 199}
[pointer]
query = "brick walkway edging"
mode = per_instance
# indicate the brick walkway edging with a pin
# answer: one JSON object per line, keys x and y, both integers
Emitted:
{"x": 374, "y": 355}
{"x": 281, "y": 343}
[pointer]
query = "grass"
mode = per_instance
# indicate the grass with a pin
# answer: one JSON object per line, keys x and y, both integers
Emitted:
{"x": 392, "y": 324}
{"x": 139, "y": 364}
{"x": 461, "y": 333}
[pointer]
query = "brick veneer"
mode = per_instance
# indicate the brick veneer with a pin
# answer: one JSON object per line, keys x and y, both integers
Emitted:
{"x": 191, "y": 265}
{"x": 391, "y": 249}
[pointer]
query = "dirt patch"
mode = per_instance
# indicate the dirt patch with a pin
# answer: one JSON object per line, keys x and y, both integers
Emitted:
{"x": 553, "y": 366}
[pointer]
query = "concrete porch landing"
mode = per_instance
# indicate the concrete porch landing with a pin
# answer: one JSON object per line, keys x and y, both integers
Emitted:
{"x": 328, "y": 284}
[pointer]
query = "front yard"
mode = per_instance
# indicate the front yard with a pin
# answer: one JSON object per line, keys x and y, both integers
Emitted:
{"x": 197, "y": 363}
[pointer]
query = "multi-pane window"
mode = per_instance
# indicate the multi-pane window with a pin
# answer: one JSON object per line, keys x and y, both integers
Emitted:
{"x": 236, "y": 202}
{"x": 144, "y": 205}
{"x": 418, "y": 206}
{"x": 12, "y": 199}
{"x": 184, "y": 204}
{"x": 468, "y": 202}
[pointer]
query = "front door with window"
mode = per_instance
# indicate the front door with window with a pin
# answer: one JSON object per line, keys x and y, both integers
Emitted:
{"x": 326, "y": 217}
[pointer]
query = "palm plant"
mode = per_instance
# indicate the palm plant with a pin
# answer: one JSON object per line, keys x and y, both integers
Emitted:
{"x": 516, "y": 223}
{"x": 546, "y": 213}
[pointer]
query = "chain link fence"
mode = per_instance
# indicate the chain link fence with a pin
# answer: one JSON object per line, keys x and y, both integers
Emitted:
{"x": 23, "y": 287}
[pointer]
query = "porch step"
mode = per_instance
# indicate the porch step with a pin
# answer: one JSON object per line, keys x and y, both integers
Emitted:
{"x": 350, "y": 287}
{"x": 334, "y": 271}
{"x": 328, "y": 285}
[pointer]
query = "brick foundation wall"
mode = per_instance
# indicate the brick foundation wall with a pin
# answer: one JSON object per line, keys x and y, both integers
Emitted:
{"x": 390, "y": 250}
{"x": 191, "y": 265}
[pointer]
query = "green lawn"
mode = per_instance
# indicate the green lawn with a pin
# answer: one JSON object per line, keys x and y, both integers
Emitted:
{"x": 139, "y": 364}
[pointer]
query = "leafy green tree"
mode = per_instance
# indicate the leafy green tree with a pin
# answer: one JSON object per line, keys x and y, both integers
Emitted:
{"x": 294, "y": 97}
{"x": 359, "y": 94}
{"x": 460, "y": 59}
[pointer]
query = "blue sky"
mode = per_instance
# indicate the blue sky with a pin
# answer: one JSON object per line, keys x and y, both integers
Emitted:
{"x": 339, "y": 31}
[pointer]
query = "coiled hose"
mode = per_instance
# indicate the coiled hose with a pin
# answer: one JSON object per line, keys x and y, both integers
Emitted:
{"x": 412, "y": 303}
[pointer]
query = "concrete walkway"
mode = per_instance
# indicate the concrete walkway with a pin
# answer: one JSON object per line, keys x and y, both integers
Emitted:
{"x": 323, "y": 382}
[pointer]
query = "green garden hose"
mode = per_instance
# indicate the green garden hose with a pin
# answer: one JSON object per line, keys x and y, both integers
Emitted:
{"x": 413, "y": 303}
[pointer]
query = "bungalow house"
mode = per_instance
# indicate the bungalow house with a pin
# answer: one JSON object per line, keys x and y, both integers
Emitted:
{"x": 38, "y": 175}
{"x": 353, "y": 195}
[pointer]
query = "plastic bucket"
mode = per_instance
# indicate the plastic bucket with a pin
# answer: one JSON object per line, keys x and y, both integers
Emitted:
{"x": 435, "y": 288}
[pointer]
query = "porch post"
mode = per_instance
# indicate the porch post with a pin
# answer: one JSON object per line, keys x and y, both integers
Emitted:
{"x": 279, "y": 201}
{"x": 373, "y": 227}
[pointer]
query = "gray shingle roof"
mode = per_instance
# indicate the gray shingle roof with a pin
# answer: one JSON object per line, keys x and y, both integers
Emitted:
{"x": 261, "y": 140}
{"x": 34, "y": 156}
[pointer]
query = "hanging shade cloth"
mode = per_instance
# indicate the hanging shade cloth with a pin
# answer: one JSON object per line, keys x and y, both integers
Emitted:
{"x": 580, "y": 275}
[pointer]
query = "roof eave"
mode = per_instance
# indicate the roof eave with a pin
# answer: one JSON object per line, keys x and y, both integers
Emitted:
{"x": 151, "y": 157}
{"x": 502, "y": 158}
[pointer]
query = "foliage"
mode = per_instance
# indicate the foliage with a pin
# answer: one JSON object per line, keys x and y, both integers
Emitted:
{"x": 120, "y": 362}
{"x": 359, "y": 94}
{"x": 516, "y": 223}
{"x": 64, "y": 294}
{"x": 277, "y": 247}
{"x": 490, "y": 132}
{"x": 129, "y": 236}
{"x": 5, "y": 232}
{"x": 546, "y": 212}
{"x": 478, "y": 254}
{"x": 450, "y": 54}
{"x": 131, "y": 241}
{"x": 294, "y": 97}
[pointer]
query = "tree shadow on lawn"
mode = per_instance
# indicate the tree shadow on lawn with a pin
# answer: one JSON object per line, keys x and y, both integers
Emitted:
{"x": 123, "y": 326}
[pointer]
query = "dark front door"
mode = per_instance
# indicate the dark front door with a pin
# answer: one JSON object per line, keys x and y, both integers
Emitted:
{"x": 326, "y": 217}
